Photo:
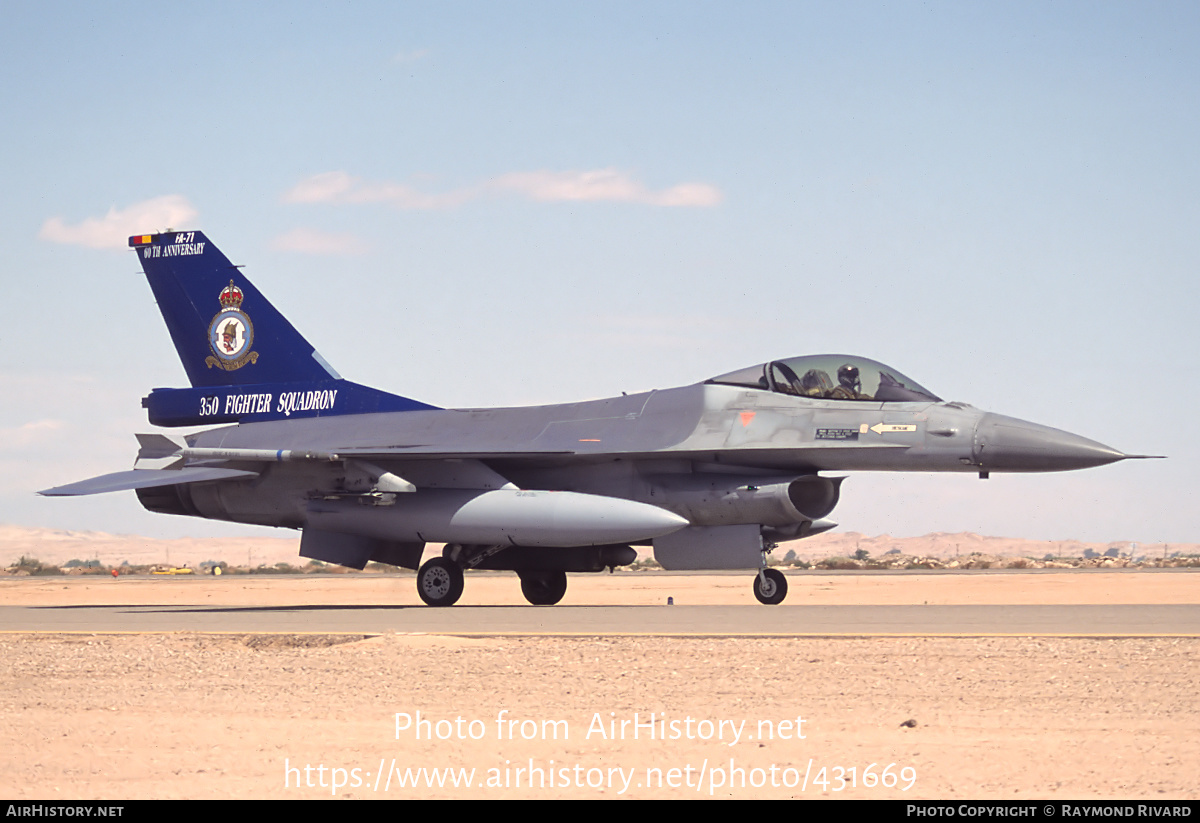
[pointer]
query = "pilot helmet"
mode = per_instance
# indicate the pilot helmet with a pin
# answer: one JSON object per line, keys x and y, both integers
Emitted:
{"x": 815, "y": 383}
{"x": 848, "y": 377}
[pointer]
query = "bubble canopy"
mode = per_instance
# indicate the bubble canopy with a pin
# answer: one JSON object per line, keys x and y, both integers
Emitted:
{"x": 830, "y": 377}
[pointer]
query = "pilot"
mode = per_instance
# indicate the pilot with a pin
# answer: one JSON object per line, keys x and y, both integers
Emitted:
{"x": 815, "y": 383}
{"x": 849, "y": 385}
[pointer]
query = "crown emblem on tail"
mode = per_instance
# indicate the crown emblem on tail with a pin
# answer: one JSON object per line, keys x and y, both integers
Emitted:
{"x": 231, "y": 297}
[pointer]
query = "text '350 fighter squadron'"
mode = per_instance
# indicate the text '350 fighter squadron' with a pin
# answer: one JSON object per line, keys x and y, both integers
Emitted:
{"x": 712, "y": 475}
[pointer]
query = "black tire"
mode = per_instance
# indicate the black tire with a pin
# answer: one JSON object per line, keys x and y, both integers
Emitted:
{"x": 440, "y": 582}
{"x": 774, "y": 591}
{"x": 544, "y": 588}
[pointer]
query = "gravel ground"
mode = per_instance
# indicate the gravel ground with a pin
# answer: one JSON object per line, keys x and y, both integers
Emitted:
{"x": 114, "y": 717}
{"x": 188, "y": 716}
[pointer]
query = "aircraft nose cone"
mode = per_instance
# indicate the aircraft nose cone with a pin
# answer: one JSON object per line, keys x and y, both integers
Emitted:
{"x": 1008, "y": 444}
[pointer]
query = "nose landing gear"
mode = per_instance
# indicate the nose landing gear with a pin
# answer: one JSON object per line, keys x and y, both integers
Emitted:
{"x": 770, "y": 587}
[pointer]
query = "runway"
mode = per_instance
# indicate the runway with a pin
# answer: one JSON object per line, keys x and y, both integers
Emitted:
{"x": 1080, "y": 605}
{"x": 757, "y": 621}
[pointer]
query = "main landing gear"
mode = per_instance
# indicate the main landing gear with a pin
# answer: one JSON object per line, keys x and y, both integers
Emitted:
{"x": 770, "y": 587}
{"x": 440, "y": 582}
{"x": 543, "y": 588}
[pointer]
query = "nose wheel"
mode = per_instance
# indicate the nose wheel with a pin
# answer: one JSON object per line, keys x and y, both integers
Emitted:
{"x": 770, "y": 587}
{"x": 440, "y": 582}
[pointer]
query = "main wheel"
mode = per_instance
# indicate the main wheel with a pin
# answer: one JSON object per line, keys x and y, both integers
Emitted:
{"x": 544, "y": 588}
{"x": 440, "y": 582}
{"x": 770, "y": 587}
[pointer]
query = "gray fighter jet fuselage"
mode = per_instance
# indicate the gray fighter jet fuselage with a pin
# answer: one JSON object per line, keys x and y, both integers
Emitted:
{"x": 711, "y": 475}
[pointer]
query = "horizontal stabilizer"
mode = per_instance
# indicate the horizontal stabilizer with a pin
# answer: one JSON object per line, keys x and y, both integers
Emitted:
{"x": 144, "y": 479}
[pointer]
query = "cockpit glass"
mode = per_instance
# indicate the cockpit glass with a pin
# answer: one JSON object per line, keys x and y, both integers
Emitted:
{"x": 831, "y": 377}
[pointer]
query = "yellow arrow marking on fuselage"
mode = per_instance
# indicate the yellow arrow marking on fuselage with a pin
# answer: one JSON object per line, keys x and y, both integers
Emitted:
{"x": 880, "y": 428}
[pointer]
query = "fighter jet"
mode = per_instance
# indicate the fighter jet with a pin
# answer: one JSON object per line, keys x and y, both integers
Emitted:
{"x": 711, "y": 476}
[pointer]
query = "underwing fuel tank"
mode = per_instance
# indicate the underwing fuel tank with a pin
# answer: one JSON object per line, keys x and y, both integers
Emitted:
{"x": 1008, "y": 444}
{"x": 499, "y": 517}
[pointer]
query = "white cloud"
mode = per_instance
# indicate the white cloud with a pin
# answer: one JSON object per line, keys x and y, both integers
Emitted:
{"x": 687, "y": 194}
{"x": 315, "y": 241}
{"x": 113, "y": 230}
{"x": 32, "y": 433}
{"x": 338, "y": 187}
{"x": 603, "y": 184}
{"x": 329, "y": 187}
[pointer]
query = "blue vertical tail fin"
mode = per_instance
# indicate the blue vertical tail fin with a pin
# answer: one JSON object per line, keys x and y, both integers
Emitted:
{"x": 245, "y": 361}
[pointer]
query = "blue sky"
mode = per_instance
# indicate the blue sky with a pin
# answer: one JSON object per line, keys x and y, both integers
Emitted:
{"x": 483, "y": 204}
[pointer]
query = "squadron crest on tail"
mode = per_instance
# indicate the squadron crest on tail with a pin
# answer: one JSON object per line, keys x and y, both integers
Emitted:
{"x": 231, "y": 333}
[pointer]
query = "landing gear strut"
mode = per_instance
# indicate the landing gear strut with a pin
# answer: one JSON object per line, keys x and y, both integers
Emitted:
{"x": 543, "y": 588}
{"x": 440, "y": 582}
{"x": 770, "y": 587}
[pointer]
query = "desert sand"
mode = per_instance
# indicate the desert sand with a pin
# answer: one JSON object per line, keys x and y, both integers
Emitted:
{"x": 113, "y": 717}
